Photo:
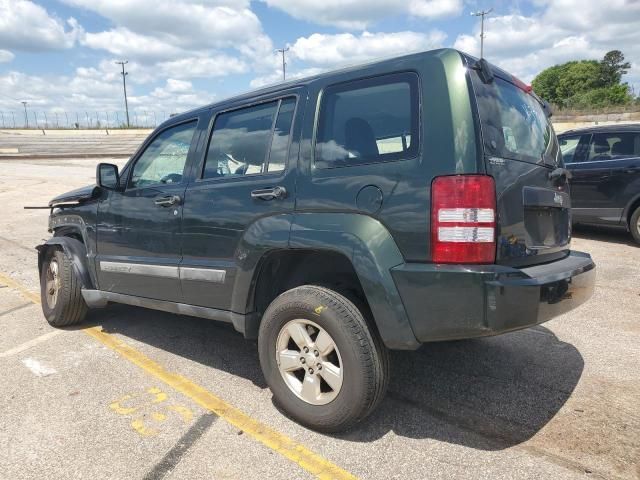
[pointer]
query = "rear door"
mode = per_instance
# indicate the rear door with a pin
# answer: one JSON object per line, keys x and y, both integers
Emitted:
{"x": 594, "y": 190}
{"x": 623, "y": 182}
{"x": 248, "y": 173}
{"x": 521, "y": 152}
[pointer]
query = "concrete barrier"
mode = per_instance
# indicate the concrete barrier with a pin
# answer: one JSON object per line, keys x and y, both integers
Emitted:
{"x": 70, "y": 143}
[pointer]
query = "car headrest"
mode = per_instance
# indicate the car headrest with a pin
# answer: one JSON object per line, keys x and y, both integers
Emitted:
{"x": 601, "y": 146}
{"x": 622, "y": 147}
{"x": 359, "y": 138}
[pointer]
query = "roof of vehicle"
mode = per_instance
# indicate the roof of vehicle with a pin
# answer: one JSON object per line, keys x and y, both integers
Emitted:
{"x": 625, "y": 127}
{"x": 307, "y": 80}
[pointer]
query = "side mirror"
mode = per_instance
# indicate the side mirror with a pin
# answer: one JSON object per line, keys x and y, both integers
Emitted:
{"x": 107, "y": 176}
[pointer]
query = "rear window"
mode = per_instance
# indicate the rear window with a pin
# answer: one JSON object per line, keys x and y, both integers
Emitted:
{"x": 368, "y": 121}
{"x": 514, "y": 125}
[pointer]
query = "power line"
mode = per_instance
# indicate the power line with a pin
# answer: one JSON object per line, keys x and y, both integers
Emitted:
{"x": 482, "y": 14}
{"x": 124, "y": 85}
{"x": 10, "y": 98}
{"x": 284, "y": 63}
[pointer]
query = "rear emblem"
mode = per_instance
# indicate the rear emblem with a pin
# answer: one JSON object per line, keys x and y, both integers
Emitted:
{"x": 557, "y": 198}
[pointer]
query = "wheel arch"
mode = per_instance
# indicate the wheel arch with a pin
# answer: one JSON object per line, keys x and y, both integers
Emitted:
{"x": 75, "y": 250}
{"x": 630, "y": 208}
{"x": 361, "y": 250}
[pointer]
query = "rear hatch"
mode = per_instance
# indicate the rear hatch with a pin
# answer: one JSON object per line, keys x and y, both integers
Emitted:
{"x": 521, "y": 152}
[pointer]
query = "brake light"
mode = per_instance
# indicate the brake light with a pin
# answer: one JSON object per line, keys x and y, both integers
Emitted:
{"x": 521, "y": 85}
{"x": 463, "y": 219}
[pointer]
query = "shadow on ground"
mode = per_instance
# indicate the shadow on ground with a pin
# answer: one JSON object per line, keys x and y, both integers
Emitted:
{"x": 489, "y": 393}
{"x": 603, "y": 234}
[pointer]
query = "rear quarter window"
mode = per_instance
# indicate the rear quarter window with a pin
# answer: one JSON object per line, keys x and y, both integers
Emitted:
{"x": 368, "y": 121}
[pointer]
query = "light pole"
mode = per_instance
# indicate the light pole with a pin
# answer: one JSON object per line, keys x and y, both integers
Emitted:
{"x": 284, "y": 63}
{"x": 124, "y": 85}
{"x": 482, "y": 14}
{"x": 26, "y": 117}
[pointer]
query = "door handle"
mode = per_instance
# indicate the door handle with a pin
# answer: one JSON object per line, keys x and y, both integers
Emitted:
{"x": 631, "y": 169}
{"x": 167, "y": 201}
{"x": 269, "y": 193}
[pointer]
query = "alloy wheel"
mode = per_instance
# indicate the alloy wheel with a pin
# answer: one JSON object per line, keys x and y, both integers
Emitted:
{"x": 309, "y": 362}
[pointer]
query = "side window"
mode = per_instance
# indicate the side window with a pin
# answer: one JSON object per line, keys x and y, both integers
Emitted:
{"x": 250, "y": 140}
{"x": 568, "y": 147}
{"x": 625, "y": 145}
{"x": 281, "y": 135}
{"x": 614, "y": 146}
{"x": 368, "y": 121}
{"x": 165, "y": 157}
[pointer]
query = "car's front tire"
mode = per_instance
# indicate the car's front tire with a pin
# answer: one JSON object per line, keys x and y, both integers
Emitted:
{"x": 634, "y": 225}
{"x": 60, "y": 291}
{"x": 326, "y": 368}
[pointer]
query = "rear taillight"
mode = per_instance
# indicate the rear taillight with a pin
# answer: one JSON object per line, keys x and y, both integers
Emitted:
{"x": 463, "y": 219}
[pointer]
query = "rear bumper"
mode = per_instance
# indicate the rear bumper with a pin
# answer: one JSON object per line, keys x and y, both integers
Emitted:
{"x": 445, "y": 302}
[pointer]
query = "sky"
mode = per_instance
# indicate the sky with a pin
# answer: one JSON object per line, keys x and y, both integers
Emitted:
{"x": 59, "y": 55}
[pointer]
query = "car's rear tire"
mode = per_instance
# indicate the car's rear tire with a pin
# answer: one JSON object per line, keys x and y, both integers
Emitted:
{"x": 326, "y": 368}
{"x": 634, "y": 225}
{"x": 60, "y": 291}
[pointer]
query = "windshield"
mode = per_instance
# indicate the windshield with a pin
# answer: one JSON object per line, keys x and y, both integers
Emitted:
{"x": 514, "y": 125}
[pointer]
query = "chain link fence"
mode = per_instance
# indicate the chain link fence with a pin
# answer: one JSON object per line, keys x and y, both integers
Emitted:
{"x": 39, "y": 119}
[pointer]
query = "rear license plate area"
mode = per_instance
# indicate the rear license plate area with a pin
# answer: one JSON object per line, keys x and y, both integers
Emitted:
{"x": 546, "y": 227}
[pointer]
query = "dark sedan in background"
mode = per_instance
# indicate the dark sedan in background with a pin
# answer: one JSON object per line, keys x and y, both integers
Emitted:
{"x": 605, "y": 165}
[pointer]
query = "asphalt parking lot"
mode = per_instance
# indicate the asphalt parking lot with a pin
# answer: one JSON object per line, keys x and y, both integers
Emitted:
{"x": 140, "y": 394}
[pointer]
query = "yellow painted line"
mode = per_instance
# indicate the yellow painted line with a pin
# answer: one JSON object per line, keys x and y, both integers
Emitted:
{"x": 285, "y": 446}
{"x": 11, "y": 283}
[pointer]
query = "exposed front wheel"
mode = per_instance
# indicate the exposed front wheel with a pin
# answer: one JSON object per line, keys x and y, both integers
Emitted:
{"x": 326, "y": 368}
{"x": 634, "y": 225}
{"x": 60, "y": 291}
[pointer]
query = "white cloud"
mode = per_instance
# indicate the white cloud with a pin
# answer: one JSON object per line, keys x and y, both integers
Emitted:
{"x": 6, "y": 56}
{"x": 358, "y": 14}
{"x": 174, "y": 96}
{"x": 206, "y": 66}
{"x": 184, "y": 24}
{"x": 276, "y": 76}
{"x": 346, "y": 48}
{"x": 562, "y": 30}
{"x": 125, "y": 43}
{"x": 27, "y": 26}
{"x": 91, "y": 92}
{"x": 321, "y": 52}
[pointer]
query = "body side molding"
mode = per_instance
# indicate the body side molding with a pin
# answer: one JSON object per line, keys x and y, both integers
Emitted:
{"x": 166, "y": 271}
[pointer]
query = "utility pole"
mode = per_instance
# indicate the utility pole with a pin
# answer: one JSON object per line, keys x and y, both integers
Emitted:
{"x": 284, "y": 63}
{"x": 124, "y": 85}
{"x": 26, "y": 117}
{"x": 482, "y": 14}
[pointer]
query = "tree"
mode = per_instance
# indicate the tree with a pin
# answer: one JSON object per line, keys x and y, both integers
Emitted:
{"x": 612, "y": 67}
{"x": 546, "y": 84}
{"x": 585, "y": 83}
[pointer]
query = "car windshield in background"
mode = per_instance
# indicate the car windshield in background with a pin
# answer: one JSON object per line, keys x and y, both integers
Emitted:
{"x": 514, "y": 125}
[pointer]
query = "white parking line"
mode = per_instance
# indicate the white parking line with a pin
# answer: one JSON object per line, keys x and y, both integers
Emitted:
{"x": 29, "y": 344}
